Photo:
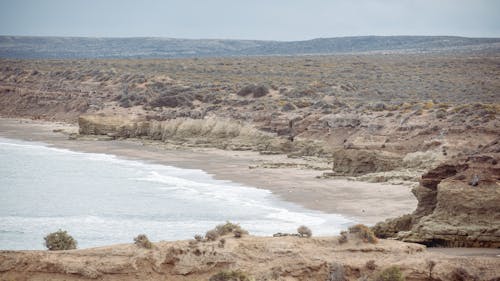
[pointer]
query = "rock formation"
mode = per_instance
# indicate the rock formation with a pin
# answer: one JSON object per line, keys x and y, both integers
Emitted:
{"x": 458, "y": 204}
{"x": 263, "y": 258}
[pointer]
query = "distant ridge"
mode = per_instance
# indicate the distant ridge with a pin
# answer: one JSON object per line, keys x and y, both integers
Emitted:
{"x": 150, "y": 47}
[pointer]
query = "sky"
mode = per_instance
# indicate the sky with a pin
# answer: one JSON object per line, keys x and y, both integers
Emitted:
{"x": 283, "y": 20}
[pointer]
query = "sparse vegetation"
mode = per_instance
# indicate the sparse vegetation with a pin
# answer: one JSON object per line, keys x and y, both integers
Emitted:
{"x": 257, "y": 91}
{"x": 371, "y": 265}
{"x": 304, "y": 231}
{"x": 228, "y": 228}
{"x": 231, "y": 275}
{"x": 461, "y": 274}
{"x": 392, "y": 273}
{"x": 364, "y": 233}
{"x": 222, "y": 243}
{"x": 142, "y": 241}
{"x": 60, "y": 240}
{"x": 211, "y": 235}
{"x": 343, "y": 237}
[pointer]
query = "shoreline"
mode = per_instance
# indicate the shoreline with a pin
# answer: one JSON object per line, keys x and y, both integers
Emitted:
{"x": 358, "y": 201}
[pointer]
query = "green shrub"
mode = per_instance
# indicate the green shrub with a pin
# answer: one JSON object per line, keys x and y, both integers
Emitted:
{"x": 364, "y": 232}
{"x": 143, "y": 241}
{"x": 60, "y": 240}
{"x": 392, "y": 273}
{"x": 231, "y": 275}
{"x": 304, "y": 231}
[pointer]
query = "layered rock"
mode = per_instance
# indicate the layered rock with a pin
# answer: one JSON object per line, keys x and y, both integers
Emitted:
{"x": 362, "y": 161}
{"x": 115, "y": 125}
{"x": 263, "y": 258}
{"x": 458, "y": 204}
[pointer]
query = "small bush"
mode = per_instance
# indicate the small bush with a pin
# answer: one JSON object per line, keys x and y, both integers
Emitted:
{"x": 371, "y": 265}
{"x": 229, "y": 227}
{"x": 198, "y": 238}
{"x": 364, "y": 232}
{"x": 143, "y": 241}
{"x": 343, "y": 237}
{"x": 60, "y": 240}
{"x": 222, "y": 243}
{"x": 238, "y": 233}
{"x": 256, "y": 91}
{"x": 392, "y": 273}
{"x": 212, "y": 235}
{"x": 231, "y": 275}
{"x": 304, "y": 231}
{"x": 461, "y": 274}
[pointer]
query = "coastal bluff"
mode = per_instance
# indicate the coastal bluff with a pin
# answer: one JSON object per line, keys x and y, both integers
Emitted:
{"x": 261, "y": 258}
{"x": 458, "y": 204}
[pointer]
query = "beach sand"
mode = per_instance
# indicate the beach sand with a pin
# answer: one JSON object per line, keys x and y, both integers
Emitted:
{"x": 360, "y": 201}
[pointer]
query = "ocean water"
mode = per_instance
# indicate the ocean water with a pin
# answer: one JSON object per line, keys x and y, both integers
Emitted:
{"x": 101, "y": 199}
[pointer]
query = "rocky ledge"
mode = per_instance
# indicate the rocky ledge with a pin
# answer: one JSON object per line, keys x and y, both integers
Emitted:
{"x": 260, "y": 258}
{"x": 458, "y": 204}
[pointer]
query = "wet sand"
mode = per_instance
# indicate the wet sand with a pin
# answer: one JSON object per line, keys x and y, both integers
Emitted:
{"x": 362, "y": 202}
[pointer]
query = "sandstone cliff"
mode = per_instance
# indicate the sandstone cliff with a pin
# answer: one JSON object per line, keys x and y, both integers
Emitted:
{"x": 458, "y": 204}
{"x": 280, "y": 258}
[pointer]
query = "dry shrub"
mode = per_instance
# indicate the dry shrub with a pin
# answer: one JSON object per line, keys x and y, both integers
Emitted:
{"x": 211, "y": 235}
{"x": 371, "y": 265}
{"x": 461, "y": 274}
{"x": 343, "y": 237}
{"x": 364, "y": 233}
{"x": 392, "y": 273}
{"x": 198, "y": 238}
{"x": 222, "y": 243}
{"x": 257, "y": 91}
{"x": 143, "y": 241}
{"x": 337, "y": 272}
{"x": 60, "y": 240}
{"x": 231, "y": 275}
{"x": 229, "y": 227}
{"x": 304, "y": 231}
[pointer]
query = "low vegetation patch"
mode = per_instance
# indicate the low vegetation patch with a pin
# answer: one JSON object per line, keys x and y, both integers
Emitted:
{"x": 343, "y": 237}
{"x": 304, "y": 231}
{"x": 143, "y": 241}
{"x": 211, "y": 235}
{"x": 364, "y": 233}
{"x": 392, "y": 273}
{"x": 60, "y": 240}
{"x": 228, "y": 228}
{"x": 231, "y": 275}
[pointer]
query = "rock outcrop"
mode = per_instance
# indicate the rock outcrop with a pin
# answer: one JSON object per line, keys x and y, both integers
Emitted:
{"x": 263, "y": 258}
{"x": 458, "y": 204}
{"x": 114, "y": 126}
{"x": 361, "y": 161}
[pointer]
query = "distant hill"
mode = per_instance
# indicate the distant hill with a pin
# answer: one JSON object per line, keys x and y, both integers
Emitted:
{"x": 148, "y": 47}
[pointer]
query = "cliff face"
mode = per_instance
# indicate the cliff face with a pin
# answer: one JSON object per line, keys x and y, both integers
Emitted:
{"x": 459, "y": 204}
{"x": 263, "y": 258}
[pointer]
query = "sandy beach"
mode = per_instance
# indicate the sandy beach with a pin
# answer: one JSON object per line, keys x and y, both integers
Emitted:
{"x": 360, "y": 201}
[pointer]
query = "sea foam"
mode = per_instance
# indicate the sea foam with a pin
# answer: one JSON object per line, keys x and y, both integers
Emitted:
{"x": 102, "y": 199}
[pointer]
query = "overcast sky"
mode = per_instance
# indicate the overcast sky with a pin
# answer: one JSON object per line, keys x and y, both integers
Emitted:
{"x": 250, "y": 19}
